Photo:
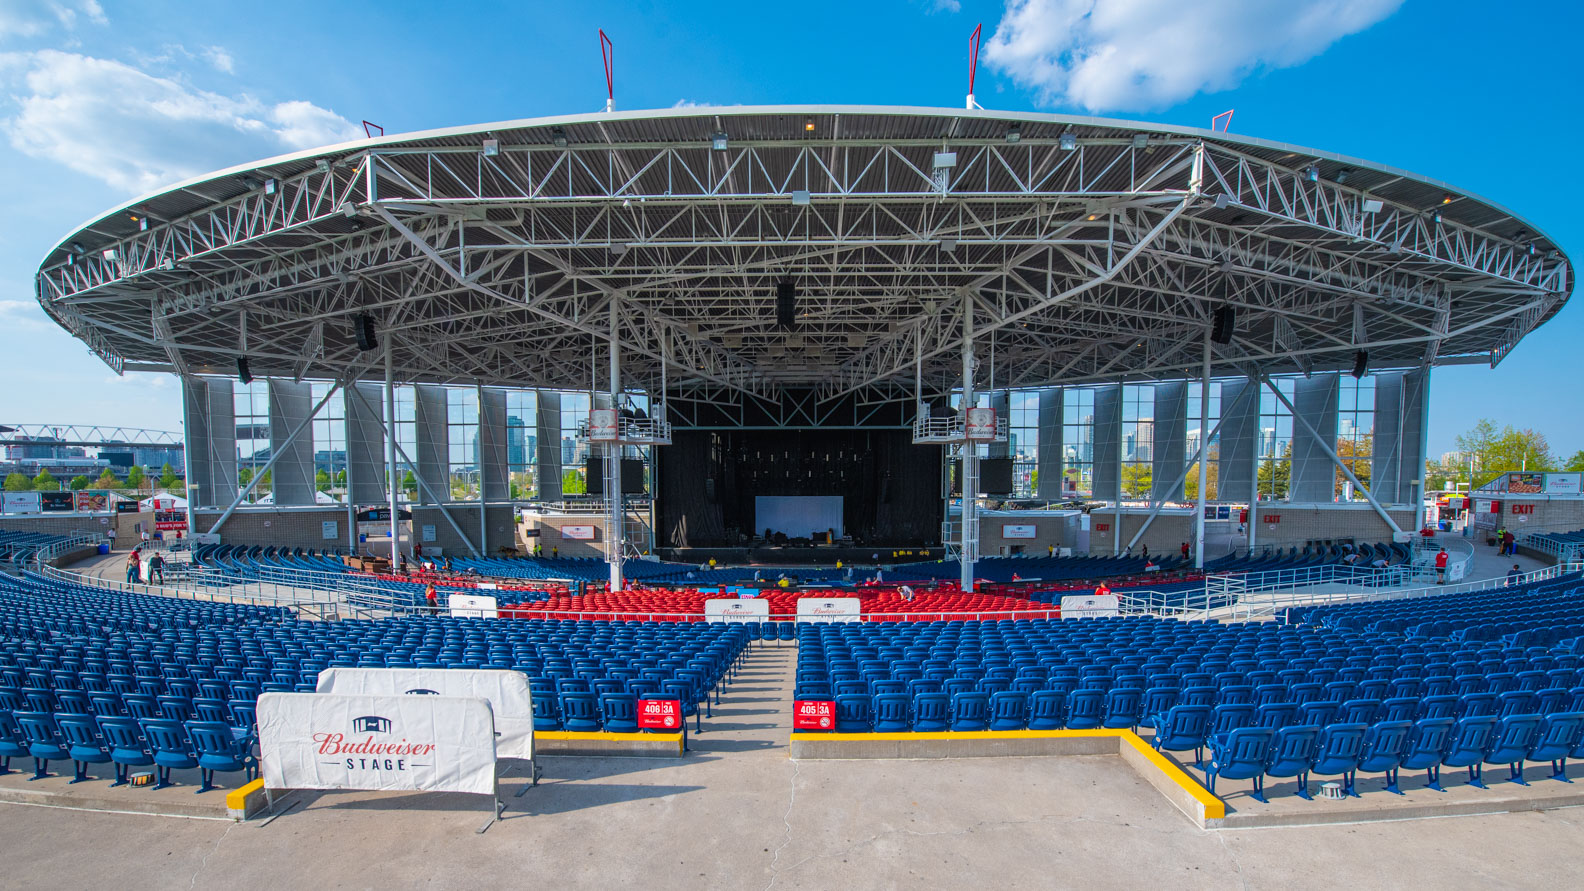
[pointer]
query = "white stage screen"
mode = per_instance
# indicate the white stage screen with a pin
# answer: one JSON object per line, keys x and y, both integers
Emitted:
{"x": 798, "y": 516}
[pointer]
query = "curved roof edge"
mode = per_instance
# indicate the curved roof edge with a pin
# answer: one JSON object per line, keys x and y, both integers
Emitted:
{"x": 733, "y": 110}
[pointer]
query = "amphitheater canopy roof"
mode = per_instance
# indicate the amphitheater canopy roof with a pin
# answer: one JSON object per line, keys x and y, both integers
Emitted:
{"x": 1085, "y": 249}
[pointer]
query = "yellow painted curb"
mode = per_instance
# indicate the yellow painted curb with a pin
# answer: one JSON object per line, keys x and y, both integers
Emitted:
{"x": 601, "y": 736}
{"x": 236, "y": 799}
{"x": 1214, "y": 808}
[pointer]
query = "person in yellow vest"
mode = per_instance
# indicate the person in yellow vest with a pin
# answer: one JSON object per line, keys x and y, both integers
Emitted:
{"x": 784, "y": 583}
{"x": 712, "y": 563}
{"x": 838, "y": 564}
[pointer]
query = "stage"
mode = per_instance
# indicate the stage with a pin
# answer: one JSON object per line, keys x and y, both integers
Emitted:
{"x": 819, "y": 555}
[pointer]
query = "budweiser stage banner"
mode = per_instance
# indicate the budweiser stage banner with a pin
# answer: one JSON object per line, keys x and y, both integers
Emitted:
{"x": 418, "y": 743}
{"x": 506, "y": 691}
{"x": 829, "y": 609}
{"x": 736, "y": 610}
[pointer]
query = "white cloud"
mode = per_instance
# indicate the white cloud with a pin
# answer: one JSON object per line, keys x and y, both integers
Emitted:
{"x": 1146, "y": 54}
{"x": 30, "y": 18}
{"x": 219, "y": 58}
{"x": 947, "y": 6}
{"x": 689, "y": 103}
{"x": 24, "y": 315}
{"x": 137, "y": 131}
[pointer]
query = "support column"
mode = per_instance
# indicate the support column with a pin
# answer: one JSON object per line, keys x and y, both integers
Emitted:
{"x": 970, "y": 458}
{"x": 1050, "y": 445}
{"x": 390, "y": 452}
{"x": 1204, "y": 451}
{"x": 1416, "y": 386}
{"x": 189, "y": 481}
{"x": 1315, "y": 399}
{"x": 613, "y": 451}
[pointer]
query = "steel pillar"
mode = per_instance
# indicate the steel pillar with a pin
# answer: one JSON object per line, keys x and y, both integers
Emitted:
{"x": 613, "y": 451}
{"x": 390, "y": 452}
{"x": 970, "y": 455}
{"x": 1204, "y": 465}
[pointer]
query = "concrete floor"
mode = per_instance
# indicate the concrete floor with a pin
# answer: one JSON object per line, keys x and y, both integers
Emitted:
{"x": 738, "y": 814}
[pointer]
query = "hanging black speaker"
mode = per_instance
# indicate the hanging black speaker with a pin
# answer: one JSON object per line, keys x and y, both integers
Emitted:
{"x": 243, "y": 374}
{"x": 786, "y": 305}
{"x": 363, "y": 329}
{"x": 1223, "y": 323}
{"x": 1360, "y": 364}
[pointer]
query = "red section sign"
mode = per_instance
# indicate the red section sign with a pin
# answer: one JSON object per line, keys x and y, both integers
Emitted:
{"x": 659, "y": 714}
{"x": 813, "y": 714}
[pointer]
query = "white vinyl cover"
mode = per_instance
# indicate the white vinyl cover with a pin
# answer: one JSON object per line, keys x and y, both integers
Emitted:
{"x": 506, "y": 691}
{"x": 420, "y": 743}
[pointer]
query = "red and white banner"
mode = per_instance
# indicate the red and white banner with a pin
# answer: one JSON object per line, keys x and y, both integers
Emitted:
{"x": 981, "y": 424}
{"x": 737, "y": 610}
{"x": 1091, "y": 606}
{"x": 813, "y": 714}
{"x": 829, "y": 609}
{"x": 659, "y": 714}
{"x": 473, "y": 606}
{"x": 506, "y": 692}
{"x": 603, "y": 425}
{"x": 419, "y": 743}
{"x": 578, "y": 533}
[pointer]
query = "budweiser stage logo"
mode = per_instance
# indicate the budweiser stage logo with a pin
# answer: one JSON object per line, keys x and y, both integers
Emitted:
{"x": 362, "y": 751}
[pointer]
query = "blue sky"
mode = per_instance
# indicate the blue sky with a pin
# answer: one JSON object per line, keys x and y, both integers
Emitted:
{"x": 101, "y": 101}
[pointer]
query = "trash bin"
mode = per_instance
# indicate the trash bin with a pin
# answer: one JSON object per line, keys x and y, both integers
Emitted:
{"x": 104, "y": 548}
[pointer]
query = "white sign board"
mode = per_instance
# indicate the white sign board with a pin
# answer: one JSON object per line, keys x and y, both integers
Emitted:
{"x": 1019, "y": 531}
{"x": 20, "y": 502}
{"x": 473, "y": 606}
{"x": 1564, "y": 483}
{"x": 330, "y": 530}
{"x": 205, "y": 538}
{"x": 981, "y": 424}
{"x": 428, "y": 533}
{"x": 506, "y": 691}
{"x": 1090, "y": 606}
{"x": 578, "y": 533}
{"x": 832, "y": 609}
{"x": 736, "y": 610}
{"x": 602, "y": 425}
{"x": 419, "y": 743}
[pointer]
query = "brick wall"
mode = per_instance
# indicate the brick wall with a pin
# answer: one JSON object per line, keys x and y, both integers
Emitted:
{"x": 499, "y": 527}
{"x": 1049, "y": 531}
{"x": 1296, "y": 524}
{"x": 1164, "y": 537}
{"x": 127, "y": 526}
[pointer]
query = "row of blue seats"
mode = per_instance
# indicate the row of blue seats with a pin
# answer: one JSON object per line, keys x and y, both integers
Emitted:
{"x": 209, "y": 746}
{"x": 1388, "y": 747}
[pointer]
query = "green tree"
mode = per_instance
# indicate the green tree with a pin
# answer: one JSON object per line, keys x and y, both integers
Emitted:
{"x": 107, "y": 480}
{"x": 46, "y": 482}
{"x": 79, "y": 483}
{"x": 1136, "y": 480}
{"x": 1355, "y": 453}
{"x": 264, "y": 481}
{"x": 168, "y": 478}
{"x": 1575, "y": 463}
{"x": 1498, "y": 450}
{"x": 322, "y": 481}
{"x": 572, "y": 483}
{"x": 1275, "y": 474}
{"x": 1212, "y": 476}
{"x": 340, "y": 479}
{"x": 410, "y": 483}
{"x": 136, "y": 478}
{"x": 17, "y": 482}
{"x": 244, "y": 476}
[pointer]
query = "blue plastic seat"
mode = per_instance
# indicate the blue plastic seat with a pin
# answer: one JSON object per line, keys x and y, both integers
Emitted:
{"x": 891, "y": 713}
{"x": 1240, "y": 755}
{"x": 1122, "y": 708}
{"x": 1400, "y": 708}
{"x": 127, "y": 747}
{"x": 1292, "y": 754}
{"x": 1468, "y": 745}
{"x": 13, "y": 744}
{"x": 1047, "y": 710}
{"x": 1339, "y": 752}
{"x": 171, "y": 747}
{"x": 1009, "y": 710}
{"x": 580, "y": 712}
{"x": 218, "y": 751}
{"x": 1384, "y": 746}
{"x": 1515, "y": 738}
{"x": 1085, "y": 709}
{"x": 1183, "y": 727}
{"x": 619, "y": 712}
{"x": 970, "y": 711}
{"x": 852, "y": 712}
{"x": 1275, "y": 715}
{"x": 84, "y": 743}
{"x": 931, "y": 713}
{"x": 44, "y": 740}
{"x": 1560, "y": 735}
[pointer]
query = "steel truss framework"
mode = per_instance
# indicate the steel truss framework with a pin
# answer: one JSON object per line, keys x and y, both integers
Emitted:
{"x": 1102, "y": 262}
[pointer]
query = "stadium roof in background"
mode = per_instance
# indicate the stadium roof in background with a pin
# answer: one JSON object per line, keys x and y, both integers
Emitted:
{"x": 1086, "y": 250}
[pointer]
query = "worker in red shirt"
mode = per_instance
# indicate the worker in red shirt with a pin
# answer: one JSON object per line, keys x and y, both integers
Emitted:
{"x": 1102, "y": 590}
{"x": 1440, "y": 565}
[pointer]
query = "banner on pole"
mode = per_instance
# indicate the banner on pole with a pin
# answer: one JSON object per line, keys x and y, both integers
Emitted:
{"x": 417, "y": 743}
{"x": 505, "y": 691}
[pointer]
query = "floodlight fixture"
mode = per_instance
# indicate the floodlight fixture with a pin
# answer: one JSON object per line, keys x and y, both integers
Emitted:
{"x": 718, "y": 141}
{"x": 1312, "y": 173}
{"x": 1140, "y": 140}
{"x": 559, "y": 137}
{"x": 1373, "y": 205}
{"x": 1068, "y": 141}
{"x": 271, "y": 187}
{"x": 491, "y": 148}
{"x": 800, "y": 197}
{"x": 1014, "y": 132}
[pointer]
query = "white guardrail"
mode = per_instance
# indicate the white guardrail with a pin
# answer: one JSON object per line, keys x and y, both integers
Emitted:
{"x": 220, "y": 588}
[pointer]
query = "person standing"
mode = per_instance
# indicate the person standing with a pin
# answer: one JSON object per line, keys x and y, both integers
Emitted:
{"x": 1441, "y": 566}
{"x": 430, "y": 598}
{"x": 132, "y": 567}
{"x": 1509, "y": 543}
{"x": 1184, "y": 550}
{"x": 156, "y": 568}
{"x": 1514, "y": 575}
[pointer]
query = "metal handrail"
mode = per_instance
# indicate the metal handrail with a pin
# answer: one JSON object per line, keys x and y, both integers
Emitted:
{"x": 1490, "y": 584}
{"x": 248, "y": 592}
{"x": 43, "y": 555}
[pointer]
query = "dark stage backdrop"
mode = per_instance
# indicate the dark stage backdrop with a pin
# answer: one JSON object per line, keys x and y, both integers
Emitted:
{"x": 709, "y": 479}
